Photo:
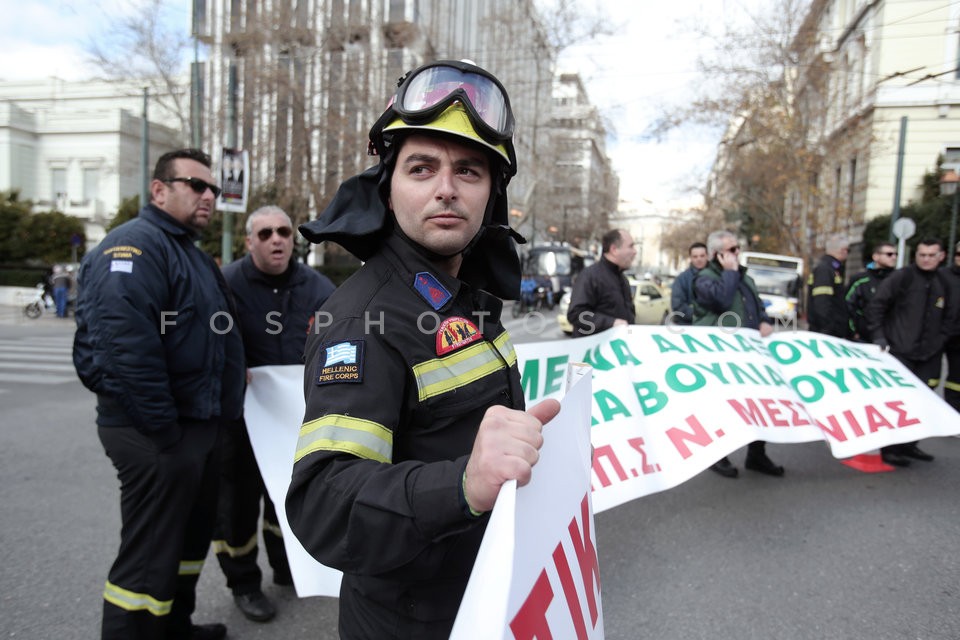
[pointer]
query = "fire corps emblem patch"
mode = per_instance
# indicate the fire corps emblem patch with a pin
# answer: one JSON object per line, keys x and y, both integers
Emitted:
{"x": 340, "y": 362}
{"x": 454, "y": 333}
{"x": 430, "y": 288}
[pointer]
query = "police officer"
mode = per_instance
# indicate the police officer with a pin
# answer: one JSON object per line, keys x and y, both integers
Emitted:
{"x": 827, "y": 309}
{"x": 414, "y": 409}
{"x": 277, "y": 298}
{"x": 155, "y": 341}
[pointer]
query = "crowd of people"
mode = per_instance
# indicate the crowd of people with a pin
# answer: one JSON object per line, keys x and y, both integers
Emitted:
{"x": 408, "y": 434}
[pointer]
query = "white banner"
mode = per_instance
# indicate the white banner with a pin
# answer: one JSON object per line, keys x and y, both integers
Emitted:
{"x": 537, "y": 573}
{"x": 669, "y": 401}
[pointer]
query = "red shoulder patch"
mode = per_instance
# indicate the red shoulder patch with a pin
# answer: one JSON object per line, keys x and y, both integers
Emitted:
{"x": 454, "y": 333}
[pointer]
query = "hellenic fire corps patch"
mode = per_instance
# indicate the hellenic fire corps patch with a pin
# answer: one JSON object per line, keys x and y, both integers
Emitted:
{"x": 454, "y": 333}
{"x": 430, "y": 288}
{"x": 340, "y": 362}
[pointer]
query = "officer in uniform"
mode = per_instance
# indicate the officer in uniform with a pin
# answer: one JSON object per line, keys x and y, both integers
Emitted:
{"x": 827, "y": 310}
{"x": 155, "y": 341}
{"x": 414, "y": 409}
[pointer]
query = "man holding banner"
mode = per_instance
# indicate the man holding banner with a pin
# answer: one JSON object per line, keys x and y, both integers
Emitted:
{"x": 725, "y": 296}
{"x": 414, "y": 408}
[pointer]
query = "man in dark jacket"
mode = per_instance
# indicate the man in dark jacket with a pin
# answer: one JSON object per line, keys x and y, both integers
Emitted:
{"x": 681, "y": 296}
{"x": 725, "y": 296}
{"x": 863, "y": 286}
{"x": 827, "y": 309}
{"x": 156, "y": 342}
{"x": 277, "y": 298}
{"x": 414, "y": 409}
{"x": 601, "y": 294}
{"x": 951, "y": 388}
{"x": 912, "y": 316}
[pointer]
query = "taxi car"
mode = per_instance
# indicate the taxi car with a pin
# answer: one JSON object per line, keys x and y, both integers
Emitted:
{"x": 651, "y": 303}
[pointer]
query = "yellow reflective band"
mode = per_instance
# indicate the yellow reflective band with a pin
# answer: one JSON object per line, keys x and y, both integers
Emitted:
{"x": 335, "y": 432}
{"x": 221, "y": 546}
{"x": 272, "y": 528}
{"x": 132, "y": 601}
{"x": 190, "y": 567}
{"x": 456, "y": 370}
{"x": 933, "y": 383}
{"x": 822, "y": 291}
{"x": 504, "y": 345}
{"x": 953, "y": 386}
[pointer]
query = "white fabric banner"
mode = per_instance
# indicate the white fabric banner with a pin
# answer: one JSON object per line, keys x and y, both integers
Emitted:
{"x": 537, "y": 573}
{"x": 273, "y": 410}
{"x": 669, "y": 401}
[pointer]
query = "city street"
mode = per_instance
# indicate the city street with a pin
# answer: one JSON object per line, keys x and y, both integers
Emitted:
{"x": 824, "y": 552}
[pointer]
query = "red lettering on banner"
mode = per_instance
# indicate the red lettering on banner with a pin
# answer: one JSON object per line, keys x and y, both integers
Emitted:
{"x": 758, "y": 414}
{"x": 698, "y": 436}
{"x": 876, "y": 420}
{"x": 645, "y": 467}
{"x": 606, "y": 451}
{"x": 852, "y": 421}
{"x": 531, "y": 620}
{"x": 902, "y": 419}
{"x": 835, "y": 431}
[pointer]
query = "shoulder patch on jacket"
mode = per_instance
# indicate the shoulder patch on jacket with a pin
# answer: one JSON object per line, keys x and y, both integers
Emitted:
{"x": 454, "y": 333}
{"x": 430, "y": 288}
{"x": 340, "y": 361}
{"x": 122, "y": 257}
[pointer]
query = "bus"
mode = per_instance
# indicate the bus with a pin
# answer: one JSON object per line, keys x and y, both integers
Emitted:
{"x": 779, "y": 281}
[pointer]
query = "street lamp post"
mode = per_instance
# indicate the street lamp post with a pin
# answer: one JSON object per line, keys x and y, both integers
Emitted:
{"x": 948, "y": 187}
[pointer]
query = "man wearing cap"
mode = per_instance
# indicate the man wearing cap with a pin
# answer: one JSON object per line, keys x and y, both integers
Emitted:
{"x": 414, "y": 409}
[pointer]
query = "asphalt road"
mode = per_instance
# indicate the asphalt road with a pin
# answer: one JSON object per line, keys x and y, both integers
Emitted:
{"x": 824, "y": 552}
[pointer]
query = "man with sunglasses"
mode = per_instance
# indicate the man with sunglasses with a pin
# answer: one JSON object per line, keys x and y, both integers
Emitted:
{"x": 724, "y": 295}
{"x": 913, "y": 314}
{"x": 276, "y": 299}
{"x": 414, "y": 408}
{"x": 863, "y": 286}
{"x": 156, "y": 342}
{"x": 826, "y": 309}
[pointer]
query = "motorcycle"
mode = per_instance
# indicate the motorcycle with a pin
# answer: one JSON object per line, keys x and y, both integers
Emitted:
{"x": 41, "y": 301}
{"x": 540, "y": 300}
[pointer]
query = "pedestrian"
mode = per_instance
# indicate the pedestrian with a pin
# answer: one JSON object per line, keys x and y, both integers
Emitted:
{"x": 827, "y": 309}
{"x": 156, "y": 342}
{"x": 681, "y": 296}
{"x": 61, "y": 289}
{"x": 912, "y": 316}
{"x": 863, "y": 286}
{"x": 277, "y": 298}
{"x": 725, "y": 296}
{"x": 601, "y": 296}
{"x": 951, "y": 388}
{"x": 414, "y": 408}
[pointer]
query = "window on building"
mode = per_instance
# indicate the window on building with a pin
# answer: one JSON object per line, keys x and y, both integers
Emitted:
{"x": 852, "y": 179}
{"x": 91, "y": 185}
{"x": 58, "y": 184}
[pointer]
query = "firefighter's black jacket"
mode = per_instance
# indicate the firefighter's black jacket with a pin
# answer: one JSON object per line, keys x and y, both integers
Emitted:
{"x": 395, "y": 390}
{"x": 151, "y": 337}
{"x": 827, "y": 310}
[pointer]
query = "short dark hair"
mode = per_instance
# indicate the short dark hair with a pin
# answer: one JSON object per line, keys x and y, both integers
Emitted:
{"x": 696, "y": 245}
{"x": 929, "y": 242}
{"x": 611, "y": 239}
{"x": 881, "y": 245}
{"x": 164, "y": 168}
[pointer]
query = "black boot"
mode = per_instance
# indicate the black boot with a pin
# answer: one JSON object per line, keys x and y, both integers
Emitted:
{"x": 757, "y": 460}
{"x": 724, "y": 467}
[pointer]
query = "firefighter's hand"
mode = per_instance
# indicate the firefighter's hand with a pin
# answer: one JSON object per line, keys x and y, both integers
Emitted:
{"x": 506, "y": 448}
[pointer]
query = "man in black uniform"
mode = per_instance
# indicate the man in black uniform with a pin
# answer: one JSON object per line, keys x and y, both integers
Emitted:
{"x": 863, "y": 287}
{"x": 951, "y": 388}
{"x": 601, "y": 295}
{"x": 827, "y": 310}
{"x": 414, "y": 409}
{"x": 154, "y": 342}
{"x": 912, "y": 316}
{"x": 277, "y": 298}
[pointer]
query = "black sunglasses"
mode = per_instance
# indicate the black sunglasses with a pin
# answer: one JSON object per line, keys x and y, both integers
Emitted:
{"x": 199, "y": 186}
{"x": 890, "y": 253}
{"x": 267, "y": 232}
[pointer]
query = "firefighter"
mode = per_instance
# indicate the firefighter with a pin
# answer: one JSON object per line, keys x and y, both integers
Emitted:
{"x": 414, "y": 410}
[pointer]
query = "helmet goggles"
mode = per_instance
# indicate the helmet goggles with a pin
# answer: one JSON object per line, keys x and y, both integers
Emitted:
{"x": 425, "y": 93}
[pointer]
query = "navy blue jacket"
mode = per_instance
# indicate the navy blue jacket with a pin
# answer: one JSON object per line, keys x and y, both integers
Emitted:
{"x": 275, "y": 311}
{"x": 152, "y": 340}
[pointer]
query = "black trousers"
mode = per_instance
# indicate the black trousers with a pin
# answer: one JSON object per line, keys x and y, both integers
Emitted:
{"x": 929, "y": 372}
{"x": 168, "y": 504}
{"x": 238, "y": 514}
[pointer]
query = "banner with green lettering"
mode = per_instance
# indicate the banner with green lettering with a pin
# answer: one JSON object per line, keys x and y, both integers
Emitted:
{"x": 670, "y": 401}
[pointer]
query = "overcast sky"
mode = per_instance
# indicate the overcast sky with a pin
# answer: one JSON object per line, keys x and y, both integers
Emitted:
{"x": 629, "y": 76}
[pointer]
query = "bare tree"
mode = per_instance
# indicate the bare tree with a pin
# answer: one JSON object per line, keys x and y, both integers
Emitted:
{"x": 140, "y": 46}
